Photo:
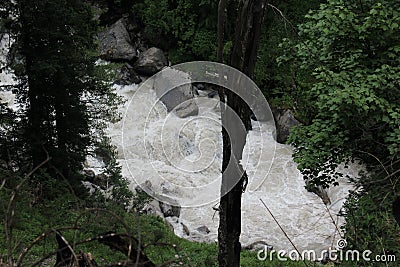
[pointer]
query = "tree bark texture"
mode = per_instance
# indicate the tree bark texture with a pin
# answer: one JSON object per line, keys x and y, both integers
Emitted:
{"x": 243, "y": 58}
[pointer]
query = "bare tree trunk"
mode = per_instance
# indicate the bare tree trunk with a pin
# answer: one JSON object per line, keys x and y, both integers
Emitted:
{"x": 247, "y": 36}
{"x": 221, "y": 28}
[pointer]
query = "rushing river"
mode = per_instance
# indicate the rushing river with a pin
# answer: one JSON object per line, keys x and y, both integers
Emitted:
{"x": 182, "y": 158}
{"x": 175, "y": 154}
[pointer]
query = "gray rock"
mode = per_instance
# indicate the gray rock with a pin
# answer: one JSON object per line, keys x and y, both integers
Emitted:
{"x": 187, "y": 109}
{"x": 151, "y": 61}
{"x": 148, "y": 209}
{"x": 203, "y": 229}
{"x": 212, "y": 94}
{"x": 116, "y": 44}
{"x": 169, "y": 207}
{"x": 145, "y": 187}
{"x": 259, "y": 245}
{"x": 284, "y": 122}
{"x": 200, "y": 86}
{"x": 126, "y": 76}
{"x": 167, "y": 90}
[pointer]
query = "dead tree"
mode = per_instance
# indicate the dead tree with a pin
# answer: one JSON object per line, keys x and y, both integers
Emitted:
{"x": 123, "y": 244}
{"x": 66, "y": 256}
{"x": 243, "y": 57}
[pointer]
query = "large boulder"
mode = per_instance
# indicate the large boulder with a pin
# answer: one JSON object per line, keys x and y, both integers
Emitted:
{"x": 116, "y": 43}
{"x": 169, "y": 207}
{"x": 151, "y": 61}
{"x": 187, "y": 109}
{"x": 177, "y": 98}
{"x": 284, "y": 122}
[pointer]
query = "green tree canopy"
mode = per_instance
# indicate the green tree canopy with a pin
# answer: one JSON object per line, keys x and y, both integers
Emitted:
{"x": 65, "y": 97}
{"x": 349, "y": 52}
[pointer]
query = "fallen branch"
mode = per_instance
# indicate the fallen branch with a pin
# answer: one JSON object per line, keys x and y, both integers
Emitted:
{"x": 9, "y": 215}
{"x": 288, "y": 238}
{"x": 123, "y": 244}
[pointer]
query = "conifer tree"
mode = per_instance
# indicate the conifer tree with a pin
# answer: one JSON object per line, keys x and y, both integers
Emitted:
{"x": 64, "y": 94}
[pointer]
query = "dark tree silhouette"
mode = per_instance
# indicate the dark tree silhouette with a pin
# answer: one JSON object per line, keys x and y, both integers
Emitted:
{"x": 243, "y": 57}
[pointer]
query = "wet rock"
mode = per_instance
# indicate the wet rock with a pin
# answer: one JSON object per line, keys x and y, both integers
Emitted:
{"x": 169, "y": 207}
{"x": 144, "y": 188}
{"x": 200, "y": 86}
{"x": 103, "y": 155}
{"x": 116, "y": 44}
{"x": 203, "y": 229}
{"x": 259, "y": 245}
{"x": 127, "y": 75}
{"x": 185, "y": 229}
{"x": 167, "y": 91}
{"x": 284, "y": 122}
{"x": 212, "y": 94}
{"x": 150, "y": 62}
{"x": 187, "y": 109}
{"x": 148, "y": 209}
{"x": 170, "y": 226}
{"x": 319, "y": 191}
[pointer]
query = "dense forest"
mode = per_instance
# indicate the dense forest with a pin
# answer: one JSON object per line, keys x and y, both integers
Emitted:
{"x": 333, "y": 64}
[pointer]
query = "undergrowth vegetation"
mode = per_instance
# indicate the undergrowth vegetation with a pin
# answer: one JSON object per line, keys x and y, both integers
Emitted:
{"x": 29, "y": 229}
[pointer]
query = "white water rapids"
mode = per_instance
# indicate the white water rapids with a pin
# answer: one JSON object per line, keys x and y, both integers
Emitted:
{"x": 163, "y": 152}
{"x": 176, "y": 153}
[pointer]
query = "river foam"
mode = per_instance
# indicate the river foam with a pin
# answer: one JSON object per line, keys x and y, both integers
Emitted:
{"x": 157, "y": 146}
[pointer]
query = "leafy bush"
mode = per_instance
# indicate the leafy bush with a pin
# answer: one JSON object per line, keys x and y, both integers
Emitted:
{"x": 349, "y": 64}
{"x": 351, "y": 52}
{"x": 369, "y": 221}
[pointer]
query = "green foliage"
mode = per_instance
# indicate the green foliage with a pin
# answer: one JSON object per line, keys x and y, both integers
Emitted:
{"x": 278, "y": 81}
{"x": 369, "y": 221}
{"x": 186, "y": 28}
{"x": 370, "y": 224}
{"x": 66, "y": 99}
{"x": 8, "y": 135}
{"x": 159, "y": 241}
{"x": 350, "y": 49}
{"x": 203, "y": 44}
{"x": 120, "y": 193}
{"x": 348, "y": 60}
